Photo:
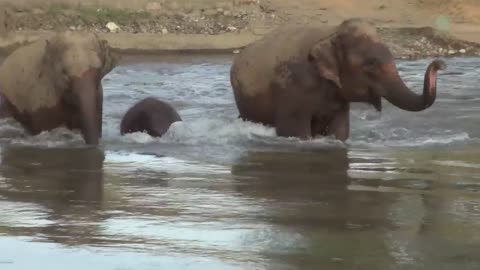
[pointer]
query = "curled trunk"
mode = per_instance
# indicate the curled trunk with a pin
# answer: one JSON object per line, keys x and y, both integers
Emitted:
{"x": 401, "y": 96}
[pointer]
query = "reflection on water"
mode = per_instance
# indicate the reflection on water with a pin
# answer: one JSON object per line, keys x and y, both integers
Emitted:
{"x": 219, "y": 193}
{"x": 52, "y": 193}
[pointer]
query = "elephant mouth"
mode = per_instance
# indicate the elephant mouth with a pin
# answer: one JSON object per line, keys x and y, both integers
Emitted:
{"x": 375, "y": 99}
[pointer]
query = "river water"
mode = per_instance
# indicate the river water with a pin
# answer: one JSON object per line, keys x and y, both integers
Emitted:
{"x": 219, "y": 193}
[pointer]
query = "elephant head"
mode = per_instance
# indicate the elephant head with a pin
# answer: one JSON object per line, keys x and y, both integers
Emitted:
{"x": 364, "y": 69}
{"x": 80, "y": 61}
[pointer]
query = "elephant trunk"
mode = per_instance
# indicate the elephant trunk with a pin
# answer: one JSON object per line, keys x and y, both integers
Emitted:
{"x": 85, "y": 89}
{"x": 401, "y": 96}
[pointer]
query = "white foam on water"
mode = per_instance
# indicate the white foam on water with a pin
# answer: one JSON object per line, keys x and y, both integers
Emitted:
{"x": 124, "y": 162}
{"x": 426, "y": 140}
{"x": 204, "y": 131}
{"x": 10, "y": 128}
{"x": 236, "y": 132}
{"x": 59, "y": 137}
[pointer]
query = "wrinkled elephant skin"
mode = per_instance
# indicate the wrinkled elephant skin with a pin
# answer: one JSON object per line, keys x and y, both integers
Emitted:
{"x": 301, "y": 79}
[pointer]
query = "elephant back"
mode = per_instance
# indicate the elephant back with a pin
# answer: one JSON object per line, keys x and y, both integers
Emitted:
{"x": 255, "y": 67}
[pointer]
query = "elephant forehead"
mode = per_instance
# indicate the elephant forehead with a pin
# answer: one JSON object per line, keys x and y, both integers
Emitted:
{"x": 359, "y": 28}
{"x": 80, "y": 39}
{"x": 81, "y": 52}
{"x": 78, "y": 60}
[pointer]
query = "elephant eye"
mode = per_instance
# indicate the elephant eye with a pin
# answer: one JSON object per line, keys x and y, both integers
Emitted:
{"x": 371, "y": 62}
{"x": 371, "y": 65}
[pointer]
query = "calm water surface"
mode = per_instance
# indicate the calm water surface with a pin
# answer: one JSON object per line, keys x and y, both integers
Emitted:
{"x": 219, "y": 193}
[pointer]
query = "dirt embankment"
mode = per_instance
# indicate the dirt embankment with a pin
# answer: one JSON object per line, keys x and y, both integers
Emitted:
{"x": 415, "y": 28}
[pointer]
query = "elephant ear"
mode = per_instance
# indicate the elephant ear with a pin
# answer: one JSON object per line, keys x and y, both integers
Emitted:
{"x": 110, "y": 60}
{"x": 323, "y": 56}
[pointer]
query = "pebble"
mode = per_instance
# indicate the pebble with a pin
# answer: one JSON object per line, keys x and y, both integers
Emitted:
{"x": 164, "y": 31}
{"x": 452, "y": 52}
{"x": 462, "y": 51}
{"x": 236, "y": 51}
{"x": 232, "y": 28}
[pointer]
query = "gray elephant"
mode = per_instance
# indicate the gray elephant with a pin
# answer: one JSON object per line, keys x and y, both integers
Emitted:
{"x": 301, "y": 79}
{"x": 151, "y": 115}
{"x": 56, "y": 82}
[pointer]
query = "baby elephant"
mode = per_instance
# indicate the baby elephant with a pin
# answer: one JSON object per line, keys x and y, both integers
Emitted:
{"x": 151, "y": 115}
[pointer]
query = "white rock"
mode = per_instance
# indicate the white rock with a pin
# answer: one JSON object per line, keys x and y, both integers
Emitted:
{"x": 452, "y": 52}
{"x": 164, "y": 31}
{"x": 440, "y": 50}
{"x": 112, "y": 27}
{"x": 72, "y": 28}
{"x": 462, "y": 51}
{"x": 232, "y": 28}
{"x": 236, "y": 51}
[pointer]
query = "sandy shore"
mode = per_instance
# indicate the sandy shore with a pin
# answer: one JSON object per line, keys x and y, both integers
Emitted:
{"x": 406, "y": 43}
{"x": 410, "y": 31}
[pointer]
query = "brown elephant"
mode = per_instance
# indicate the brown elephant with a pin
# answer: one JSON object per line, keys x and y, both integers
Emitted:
{"x": 301, "y": 79}
{"x": 56, "y": 81}
{"x": 151, "y": 115}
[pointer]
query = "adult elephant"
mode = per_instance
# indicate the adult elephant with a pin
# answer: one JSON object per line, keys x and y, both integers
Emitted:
{"x": 301, "y": 79}
{"x": 56, "y": 82}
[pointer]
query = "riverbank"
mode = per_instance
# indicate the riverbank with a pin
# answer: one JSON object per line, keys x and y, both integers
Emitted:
{"x": 212, "y": 26}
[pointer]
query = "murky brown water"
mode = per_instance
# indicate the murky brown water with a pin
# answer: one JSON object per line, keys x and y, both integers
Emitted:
{"x": 218, "y": 193}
